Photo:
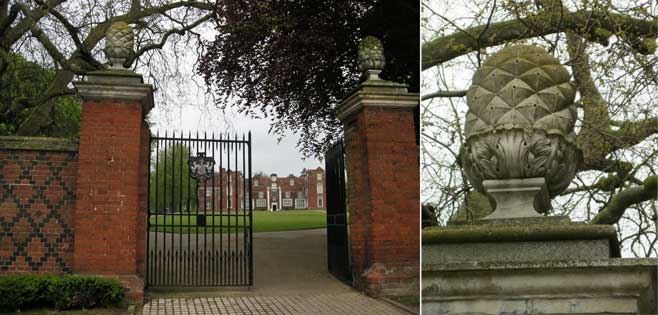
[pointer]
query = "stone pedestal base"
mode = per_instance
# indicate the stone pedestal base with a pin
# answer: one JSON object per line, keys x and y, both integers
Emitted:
{"x": 533, "y": 266}
{"x": 517, "y": 198}
{"x": 534, "y": 240}
{"x": 607, "y": 286}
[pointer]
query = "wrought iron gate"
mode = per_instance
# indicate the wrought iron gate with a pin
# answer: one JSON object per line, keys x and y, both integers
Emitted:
{"x": 199, "y": 211}
{"x": 338, "y": 244}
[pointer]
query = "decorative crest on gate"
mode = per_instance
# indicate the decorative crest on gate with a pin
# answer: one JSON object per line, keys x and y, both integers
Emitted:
{"x": 201, "y": 166}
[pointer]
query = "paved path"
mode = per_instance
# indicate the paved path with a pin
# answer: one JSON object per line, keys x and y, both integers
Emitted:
{"x": 290, "y": 277}
{"x": 316, "y": 304}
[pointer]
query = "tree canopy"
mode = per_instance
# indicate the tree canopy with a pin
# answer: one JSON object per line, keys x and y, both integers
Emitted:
{"x": 610, "y": 50}
{"x": 295, "y": 61}
{"x": 172, "y": 189}
{"x": 66, "y": 37}
{"x": 23, "y": 80}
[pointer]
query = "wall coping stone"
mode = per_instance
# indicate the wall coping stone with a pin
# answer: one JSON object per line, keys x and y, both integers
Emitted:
{"x": 482, "y": 233}
{"x": 38, "y": 143}
{"x": 607, "y": 263}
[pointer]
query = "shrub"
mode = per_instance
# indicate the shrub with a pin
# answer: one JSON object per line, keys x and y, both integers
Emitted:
{"x": 60, "y": 292}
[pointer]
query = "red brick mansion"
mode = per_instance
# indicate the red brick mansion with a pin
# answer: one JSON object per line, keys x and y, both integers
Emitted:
{"x": 273, "y": 193}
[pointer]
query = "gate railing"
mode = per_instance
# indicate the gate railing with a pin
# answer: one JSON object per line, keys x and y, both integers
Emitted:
{"x": 199, "y": 213}
{"x": 338, "y": 244}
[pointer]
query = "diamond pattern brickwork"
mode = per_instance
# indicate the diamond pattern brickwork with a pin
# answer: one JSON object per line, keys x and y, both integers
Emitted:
{"x": 37, "y": 201}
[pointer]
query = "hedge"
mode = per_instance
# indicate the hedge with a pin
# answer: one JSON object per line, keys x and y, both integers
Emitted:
{"x": 61, "y": 292}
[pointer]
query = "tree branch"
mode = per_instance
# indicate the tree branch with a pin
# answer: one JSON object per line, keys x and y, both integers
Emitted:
{"x": 9, "y": 18}
{"x": 98, "y": 32}
{"x": 54, "y": 52}
{"x": 445, "y": 48}
{"x": 73, "y": 32}
{"x": 631, "y": 133}
{"x": 163, "y": 40}
{"x": 460, "y": 93}
{"x": 619, "y": 202}
{"x": 32, "y": 17}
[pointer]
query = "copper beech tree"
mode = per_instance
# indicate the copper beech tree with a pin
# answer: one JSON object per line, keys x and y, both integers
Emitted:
{"x": 610, "y": 50}
{"x": 295, "y": 61}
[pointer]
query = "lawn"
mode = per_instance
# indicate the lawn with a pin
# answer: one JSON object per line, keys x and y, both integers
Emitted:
{"x": 264, "y": 221}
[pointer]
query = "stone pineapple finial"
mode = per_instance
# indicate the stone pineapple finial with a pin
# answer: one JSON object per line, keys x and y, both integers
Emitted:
{"x": 119, "y": 42}
{"x": 371, "y": 57}
{"x": 519, "y": 130}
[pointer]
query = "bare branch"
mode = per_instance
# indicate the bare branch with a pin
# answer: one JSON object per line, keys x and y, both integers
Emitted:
{"x": 460, "y": 93}
{"x": 448, "y": 47}
{"x": 619, "y": 202}
{"x": 179, "y": 31}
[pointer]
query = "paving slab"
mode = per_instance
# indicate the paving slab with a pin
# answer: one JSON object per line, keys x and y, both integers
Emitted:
{"x": 290, "y": 277}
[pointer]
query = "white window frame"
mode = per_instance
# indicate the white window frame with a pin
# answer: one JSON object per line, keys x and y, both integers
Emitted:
{"x": 287, "y": 202}
{"x": 318, "y": 176}
{"x": 300, "y": 204}
{"x": 260, "y": 203}
{"x": 319, "y": 188}
{"x": 261, "y": 194}
{"x": 320, "y": 201}
{"x": 292, "y": 182}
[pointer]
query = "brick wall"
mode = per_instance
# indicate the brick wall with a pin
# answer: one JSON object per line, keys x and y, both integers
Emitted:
{"x": 37, "y": 201}
{"x": 313, "y": 194}
{"x": 394, "y": 193}
{"x": 303, "y": 188}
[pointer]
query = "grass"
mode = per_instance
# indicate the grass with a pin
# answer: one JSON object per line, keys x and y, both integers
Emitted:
{"x": 264, "y": 221}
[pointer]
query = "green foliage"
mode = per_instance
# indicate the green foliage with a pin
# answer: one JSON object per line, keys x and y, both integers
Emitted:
{"x": 24, "y": 82}
{"x": 61, "y": 292}
{"x": 172, "y": 180}
{"x": 650, "y": 44}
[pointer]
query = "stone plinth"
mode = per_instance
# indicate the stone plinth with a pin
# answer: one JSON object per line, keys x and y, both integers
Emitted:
{"x": 382, "y": 158}
{"x": 111, "y": 189}
{"x": 506, "y": 242}
{"x": 606, "y": 286}
{"x": 533, "y": 266}
{"x": 517, "y": 198}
